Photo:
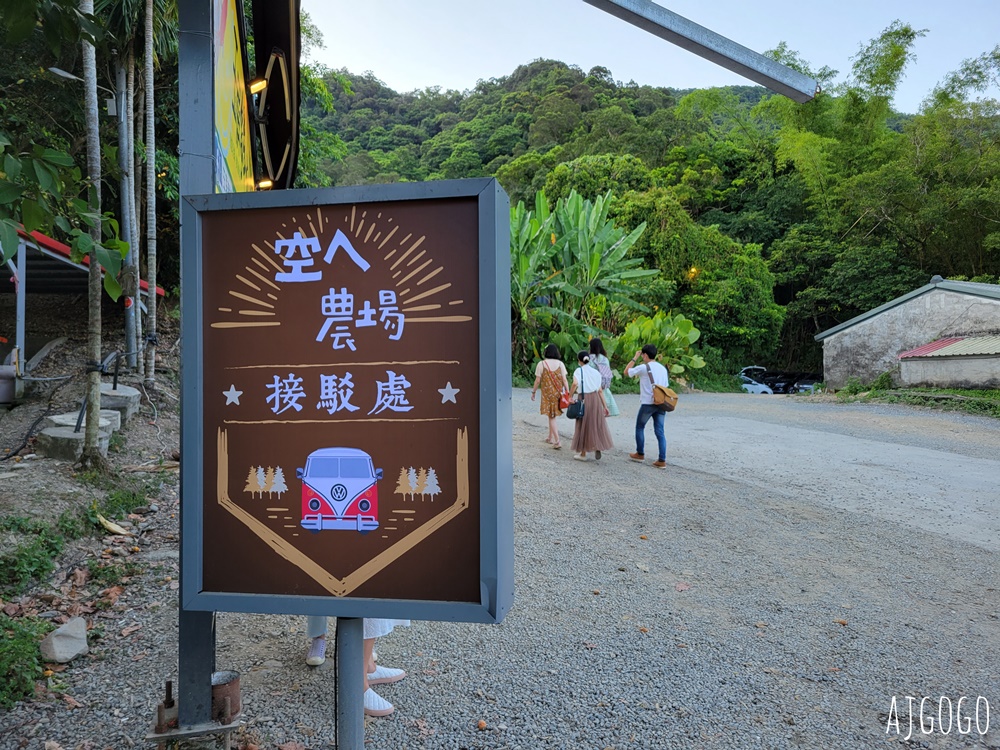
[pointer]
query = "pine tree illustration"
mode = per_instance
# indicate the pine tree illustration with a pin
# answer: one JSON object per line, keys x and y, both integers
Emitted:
{"x": 421, "y": 482}
{"x": 279, "y": 487}
{"x": 411, "y": 478}
{"x": 261, "y": 480}
{"x": 252, "y": 486}
{"x": 431, "y": 485}
{"x": 268, "y": 482}
{"x": 402, "y": 484}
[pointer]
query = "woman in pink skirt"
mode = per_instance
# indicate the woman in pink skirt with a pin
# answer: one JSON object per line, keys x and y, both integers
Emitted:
{"x": 591, "y": 432}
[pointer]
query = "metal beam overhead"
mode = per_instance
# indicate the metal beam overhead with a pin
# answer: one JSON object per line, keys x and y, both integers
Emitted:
{"x": 706, "y": 43}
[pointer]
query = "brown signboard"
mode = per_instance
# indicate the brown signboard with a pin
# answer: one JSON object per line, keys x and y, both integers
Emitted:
{"x": 341, "y": 400}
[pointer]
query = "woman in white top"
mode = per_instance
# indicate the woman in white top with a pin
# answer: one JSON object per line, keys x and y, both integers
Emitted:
{"x": 591, "y": 431}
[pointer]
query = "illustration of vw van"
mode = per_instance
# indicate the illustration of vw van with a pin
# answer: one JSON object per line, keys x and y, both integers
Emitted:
{"x": 339, "y": 490}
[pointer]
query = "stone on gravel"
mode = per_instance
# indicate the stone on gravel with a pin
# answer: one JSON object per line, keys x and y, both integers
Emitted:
{"x": 66, "y": 642}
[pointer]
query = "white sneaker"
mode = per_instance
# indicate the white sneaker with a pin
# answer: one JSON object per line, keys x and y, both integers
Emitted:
{"x": 317, "y": 651}
{"x": 376, "y": 705}
{"x": 385, "y": 675}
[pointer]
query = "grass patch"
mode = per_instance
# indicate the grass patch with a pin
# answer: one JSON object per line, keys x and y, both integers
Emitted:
{"x": 32, "y": 559}
{"x": 978, "y": 402}
{"x": 116, "y": 443}
{"x": 20, "y": 659}
{"x": 110, "y": 573}
{"x": 122, "y": 495}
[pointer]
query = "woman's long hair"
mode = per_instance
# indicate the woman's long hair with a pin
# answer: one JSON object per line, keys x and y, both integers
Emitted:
{"x": 597, "y": 347}
{"x": 552, "y": 352}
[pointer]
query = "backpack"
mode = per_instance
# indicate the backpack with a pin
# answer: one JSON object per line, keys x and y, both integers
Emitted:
{"x": 605, "y": 369}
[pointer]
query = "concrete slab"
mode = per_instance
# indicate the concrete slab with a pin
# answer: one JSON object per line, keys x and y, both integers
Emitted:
{"x": 64, "y": 443}
{"x": 125, "y": 400}
{"x": 111, "y": 420}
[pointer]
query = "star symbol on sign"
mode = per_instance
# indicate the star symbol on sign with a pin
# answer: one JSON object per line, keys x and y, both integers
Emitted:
{"x": 448, "y": 393}
{"x": 232, "y": 395}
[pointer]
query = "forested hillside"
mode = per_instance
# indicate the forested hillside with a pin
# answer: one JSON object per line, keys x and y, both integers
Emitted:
{"x": 768, "y": 221}
{"x": 759, "y": 220}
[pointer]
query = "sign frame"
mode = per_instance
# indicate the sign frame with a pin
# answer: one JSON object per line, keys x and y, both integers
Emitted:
{"x": 496, "y": 525}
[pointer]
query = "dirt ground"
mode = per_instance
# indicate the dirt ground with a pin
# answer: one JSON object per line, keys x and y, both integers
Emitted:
{"x": 39, "y": 488}
{"x": 855, "y": 506}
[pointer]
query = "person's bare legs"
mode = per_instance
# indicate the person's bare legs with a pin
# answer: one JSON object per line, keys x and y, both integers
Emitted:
{"x": 554, "y": 432}
{"x": 375, "y": 704}
{"x": 369, "y": 648}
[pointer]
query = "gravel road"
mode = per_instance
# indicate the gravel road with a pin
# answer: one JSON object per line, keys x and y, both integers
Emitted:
{"x": 800, "y": 568}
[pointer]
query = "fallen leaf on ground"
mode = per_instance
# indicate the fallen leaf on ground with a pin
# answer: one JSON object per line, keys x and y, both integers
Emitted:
{"x": 79, "y": 608}
{"x": 292, "y": 746}
{"x": 643, "y": 536}
{"x": 481, "y": 725}
{"x": 841, "y": 622}
{"x": 760, "y": 624}
{"x": 682, "y": 586}
{"x": 112, "y": 593}
{"x": 79, "y": 577}
{"x": 130, "y": 629}
{"x": 11, "y": 609}
{"x": 643, "y": 630}
{"x": 423, "y": 727}
{"x": 112, "y": 526}
{"x": 50, "y": 745}
{"x": 71, "y": 701}
{"x": 597, "y": 592}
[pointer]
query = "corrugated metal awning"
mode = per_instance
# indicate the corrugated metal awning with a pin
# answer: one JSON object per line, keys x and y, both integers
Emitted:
{"x": 957, "y": 347}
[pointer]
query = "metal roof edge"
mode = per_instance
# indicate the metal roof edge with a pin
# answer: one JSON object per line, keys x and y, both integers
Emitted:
{"x": 989, "y": 291}
{"x": 61, "y": 251}
{"x": 875, "y": 311}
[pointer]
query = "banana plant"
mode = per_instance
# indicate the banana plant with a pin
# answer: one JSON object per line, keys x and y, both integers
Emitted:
{"x": 673, "y": 336}
{"x": 533, "y": 279}
{"x": 592, "y": 254}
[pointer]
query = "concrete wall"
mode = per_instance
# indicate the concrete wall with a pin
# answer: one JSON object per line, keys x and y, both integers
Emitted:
{"x": 951, "y": 372}
{"x": 873, "y": 346}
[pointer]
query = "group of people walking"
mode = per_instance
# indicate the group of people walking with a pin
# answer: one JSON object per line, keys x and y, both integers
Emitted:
{"x": 591, "y": 387}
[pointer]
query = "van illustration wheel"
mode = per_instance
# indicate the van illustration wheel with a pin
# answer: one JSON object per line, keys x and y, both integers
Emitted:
{"x": 314, "y": 504}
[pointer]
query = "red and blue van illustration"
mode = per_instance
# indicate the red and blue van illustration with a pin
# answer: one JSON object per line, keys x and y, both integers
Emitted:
{"x": 339, "y": 490}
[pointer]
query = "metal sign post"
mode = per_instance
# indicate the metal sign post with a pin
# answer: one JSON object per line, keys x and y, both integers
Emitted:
{"x": 350, "y": 678}
{"x": 196, "y": 629}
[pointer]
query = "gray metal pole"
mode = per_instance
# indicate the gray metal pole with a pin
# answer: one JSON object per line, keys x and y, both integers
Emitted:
{"x": 20, "y": 342}
{"x": 350, "y": 680}
{"x": 712, "y": 46}
{"x": 196, "y": 630}
{"x": 124, "y": 186}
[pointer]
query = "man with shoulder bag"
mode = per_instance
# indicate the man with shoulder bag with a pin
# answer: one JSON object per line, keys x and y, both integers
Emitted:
{"x": 650, "y": 373}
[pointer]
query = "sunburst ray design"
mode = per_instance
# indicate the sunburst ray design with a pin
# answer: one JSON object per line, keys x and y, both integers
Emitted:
{"x": 411, "y": 267}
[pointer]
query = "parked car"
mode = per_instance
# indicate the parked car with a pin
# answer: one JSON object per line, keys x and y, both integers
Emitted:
{"x": 807, "y": 383}
{"x": 749, "y": 385}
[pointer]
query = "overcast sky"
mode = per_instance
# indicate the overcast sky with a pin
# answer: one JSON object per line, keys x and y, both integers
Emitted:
{"x": 411, "y": 44}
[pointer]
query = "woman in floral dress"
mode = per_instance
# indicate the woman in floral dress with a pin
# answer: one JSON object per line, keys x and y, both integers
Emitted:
{"x": 550, "y": 376}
